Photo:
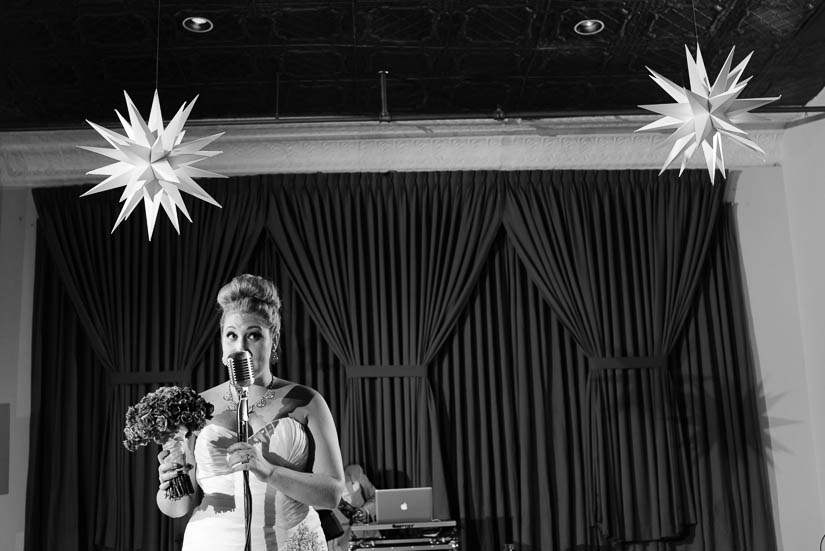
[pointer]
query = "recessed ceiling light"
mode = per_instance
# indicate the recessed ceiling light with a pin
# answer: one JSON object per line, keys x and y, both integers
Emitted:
{"x": 588, "y": 27}
{"x": 197, "y": 24}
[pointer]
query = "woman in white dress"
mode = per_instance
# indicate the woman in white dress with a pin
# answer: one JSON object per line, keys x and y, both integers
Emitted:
{"x": 292, "y": 452}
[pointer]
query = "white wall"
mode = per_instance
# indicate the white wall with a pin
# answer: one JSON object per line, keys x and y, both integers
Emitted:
{"x": 781, "y": 219}
{"x": 804, "y": 174}
{"x": 770, "y": 268}
{"x": 17, "y": 244}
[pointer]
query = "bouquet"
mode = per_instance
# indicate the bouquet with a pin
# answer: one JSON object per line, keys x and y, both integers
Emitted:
{"x": 167, "y": 416}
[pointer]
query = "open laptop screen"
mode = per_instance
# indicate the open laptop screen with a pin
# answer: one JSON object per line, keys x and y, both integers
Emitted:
{"x": 404, "y": 505}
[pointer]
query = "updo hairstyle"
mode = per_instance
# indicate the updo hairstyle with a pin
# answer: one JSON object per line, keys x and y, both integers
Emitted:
{"x": 254, "y": 295}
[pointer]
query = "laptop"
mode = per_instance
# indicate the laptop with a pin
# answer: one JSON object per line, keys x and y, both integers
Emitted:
{"x": 404, "y": 505}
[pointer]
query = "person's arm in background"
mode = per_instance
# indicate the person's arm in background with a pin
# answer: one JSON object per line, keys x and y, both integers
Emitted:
{"x": 368, "y": 493}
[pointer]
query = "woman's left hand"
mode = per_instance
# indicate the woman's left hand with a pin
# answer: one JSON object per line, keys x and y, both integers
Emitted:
{"x": 244, "y": 456}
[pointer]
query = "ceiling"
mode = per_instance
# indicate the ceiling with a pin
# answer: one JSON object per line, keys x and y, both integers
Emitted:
{"x": 65, "y": 61}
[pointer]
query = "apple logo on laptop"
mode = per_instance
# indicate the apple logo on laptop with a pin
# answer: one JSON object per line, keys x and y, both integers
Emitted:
{"x": 404, "y": 506}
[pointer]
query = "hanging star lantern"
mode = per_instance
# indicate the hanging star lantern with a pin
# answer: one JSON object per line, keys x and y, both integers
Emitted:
{"x": 153, "y": 164}
{"x": 704, "y": 114}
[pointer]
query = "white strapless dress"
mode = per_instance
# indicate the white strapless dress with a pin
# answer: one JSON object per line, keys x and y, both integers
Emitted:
{"x": 278, "y": 521}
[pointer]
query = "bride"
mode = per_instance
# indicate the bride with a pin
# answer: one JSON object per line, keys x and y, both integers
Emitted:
{"x": 292, "y": 452}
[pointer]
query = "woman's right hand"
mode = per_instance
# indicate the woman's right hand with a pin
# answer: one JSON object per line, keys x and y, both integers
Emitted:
{"x": 172, "y": 459}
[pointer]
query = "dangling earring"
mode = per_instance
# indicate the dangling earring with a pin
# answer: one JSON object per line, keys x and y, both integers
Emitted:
{"x": 273, "y": 358}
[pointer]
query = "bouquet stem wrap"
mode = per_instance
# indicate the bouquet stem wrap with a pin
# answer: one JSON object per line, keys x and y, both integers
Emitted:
{"x": 181, "y": 485}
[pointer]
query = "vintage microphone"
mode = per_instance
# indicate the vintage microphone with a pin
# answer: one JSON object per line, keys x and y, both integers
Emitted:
{"x": 241, "y": 376}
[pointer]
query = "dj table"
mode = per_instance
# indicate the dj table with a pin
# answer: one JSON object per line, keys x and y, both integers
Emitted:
{"x": 406, "y": 536}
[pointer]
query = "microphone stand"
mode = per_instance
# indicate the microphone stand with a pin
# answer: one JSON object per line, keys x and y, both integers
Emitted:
{"x": 243, "y": 436}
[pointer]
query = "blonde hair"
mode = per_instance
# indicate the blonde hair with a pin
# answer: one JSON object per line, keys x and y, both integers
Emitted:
{"x": 255, "y": 295}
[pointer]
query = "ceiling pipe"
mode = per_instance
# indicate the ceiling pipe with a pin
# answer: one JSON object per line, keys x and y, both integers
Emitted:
{"x": 384, "y": 116}
{"x": 277, "y": 94}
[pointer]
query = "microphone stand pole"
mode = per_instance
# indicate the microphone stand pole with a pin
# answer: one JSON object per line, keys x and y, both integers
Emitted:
{"x": 243, "y": 436}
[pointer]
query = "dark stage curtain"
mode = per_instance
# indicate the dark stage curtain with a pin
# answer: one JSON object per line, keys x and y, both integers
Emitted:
{"x": 513, "y": 407}
{"x": 618, "y": 255}
{"x": 68, "y": 414}
{"x": 413, "y": 274}
{"x": 147, "y": 309}
{"x": 384, "y": 263}
{"x": 512, "y": 383}
{"x": 724, "y": 408}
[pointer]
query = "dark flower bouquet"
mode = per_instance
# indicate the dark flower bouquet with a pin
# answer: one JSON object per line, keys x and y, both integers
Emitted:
{"x": 167, "y": 416}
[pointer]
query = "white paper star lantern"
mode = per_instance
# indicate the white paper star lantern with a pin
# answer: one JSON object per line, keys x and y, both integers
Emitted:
{"x": 153, "y": 164}
{"x": 705, "y": 113}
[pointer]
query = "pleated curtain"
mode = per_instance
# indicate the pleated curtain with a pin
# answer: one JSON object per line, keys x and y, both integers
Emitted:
{"x": 619, "y": 255}
{"x": 448, "y": 355}
{"x": 725, "y": 418}
{"x": 70, "y": 405}
{"x": 147, "y": 309}
{"x": 384, "y": 264}
{"x": 513, "y": 386}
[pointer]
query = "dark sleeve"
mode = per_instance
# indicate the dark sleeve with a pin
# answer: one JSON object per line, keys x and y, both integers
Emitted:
{"x": 368, "y": 493}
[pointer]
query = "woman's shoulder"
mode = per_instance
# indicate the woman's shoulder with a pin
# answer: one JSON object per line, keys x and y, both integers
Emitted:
{"x": 298, "y": 401}
{"x": 296, "y": 391}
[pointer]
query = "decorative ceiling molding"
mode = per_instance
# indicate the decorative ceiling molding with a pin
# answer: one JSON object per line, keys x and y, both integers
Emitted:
{"x": 52, "y": 158}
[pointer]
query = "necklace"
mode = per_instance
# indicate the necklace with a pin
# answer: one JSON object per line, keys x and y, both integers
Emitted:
{"x": 233, "y": 405}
